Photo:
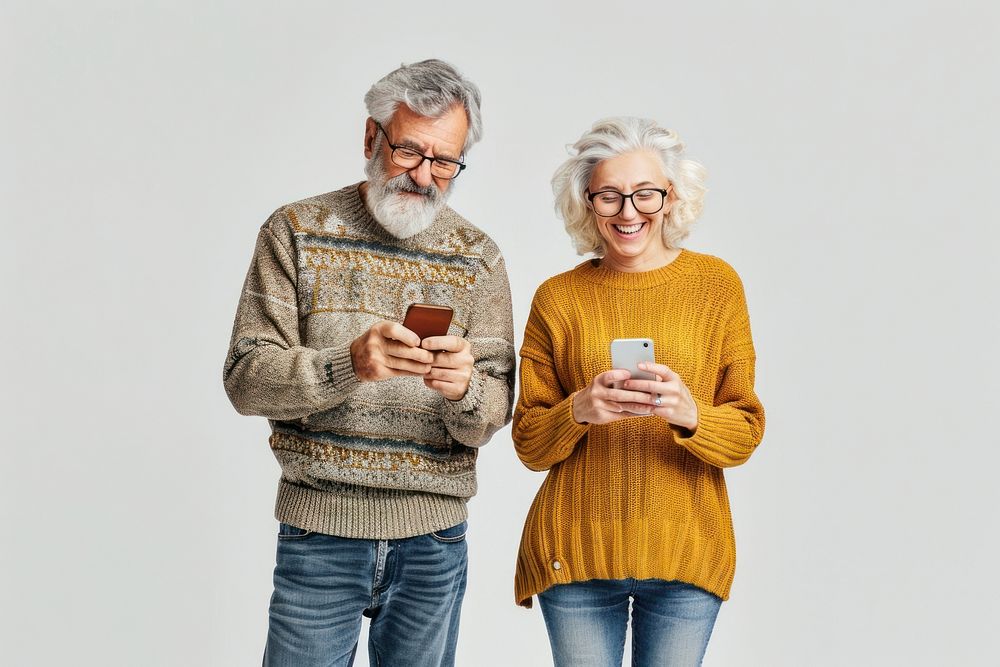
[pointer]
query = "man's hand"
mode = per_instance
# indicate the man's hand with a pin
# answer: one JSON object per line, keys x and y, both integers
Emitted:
{"x": 452, "y": 366}
{"x": 389, "y": 350}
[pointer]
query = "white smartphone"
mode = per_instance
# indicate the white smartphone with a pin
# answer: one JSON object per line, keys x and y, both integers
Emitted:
{"x": 626, "y": 353}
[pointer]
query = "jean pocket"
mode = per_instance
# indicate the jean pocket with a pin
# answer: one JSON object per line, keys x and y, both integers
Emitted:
{"x": 289, "y": 532}
{"x": 453, "y": 534}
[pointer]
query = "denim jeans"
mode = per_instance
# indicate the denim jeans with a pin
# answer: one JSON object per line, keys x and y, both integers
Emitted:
{"x": 412, "y": 590}
{"x": 671, "y": 622}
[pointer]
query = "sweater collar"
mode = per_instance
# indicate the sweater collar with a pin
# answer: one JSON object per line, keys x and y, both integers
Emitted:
{"x": 593, "y": 271}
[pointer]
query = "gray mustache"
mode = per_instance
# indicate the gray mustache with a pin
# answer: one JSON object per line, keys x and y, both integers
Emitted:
{"x": 403, "y": 183}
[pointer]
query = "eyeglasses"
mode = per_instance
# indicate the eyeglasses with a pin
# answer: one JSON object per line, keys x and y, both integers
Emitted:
{"x": 609, "y": 203}
{"x": 410, "y": 158}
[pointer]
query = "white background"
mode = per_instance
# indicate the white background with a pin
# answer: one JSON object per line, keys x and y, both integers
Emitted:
{"x": 852, "y": 158}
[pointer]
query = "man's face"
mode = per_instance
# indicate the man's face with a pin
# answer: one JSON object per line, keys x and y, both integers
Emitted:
{"x": 406, "y": 201}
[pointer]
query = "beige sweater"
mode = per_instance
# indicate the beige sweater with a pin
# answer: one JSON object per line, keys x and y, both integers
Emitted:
{"x": 375, "y": 460}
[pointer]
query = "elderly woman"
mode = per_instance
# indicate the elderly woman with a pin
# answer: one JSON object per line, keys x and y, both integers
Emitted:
{"x": 634, "y": 504}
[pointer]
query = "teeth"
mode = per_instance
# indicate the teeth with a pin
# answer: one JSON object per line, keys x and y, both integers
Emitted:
{"x": 630, "y": 229}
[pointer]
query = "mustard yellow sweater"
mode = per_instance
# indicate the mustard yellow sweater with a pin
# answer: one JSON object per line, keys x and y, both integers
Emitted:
{"x": 637, "y": 498}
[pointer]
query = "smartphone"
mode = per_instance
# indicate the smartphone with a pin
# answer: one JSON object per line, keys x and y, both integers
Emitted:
{"x": 626, "y": 353}
{"x": 428, "y": 319}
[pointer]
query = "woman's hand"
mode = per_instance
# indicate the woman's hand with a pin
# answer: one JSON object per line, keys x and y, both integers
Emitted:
{"x": 601, "y": 403}
{"x": 667, "y": 396}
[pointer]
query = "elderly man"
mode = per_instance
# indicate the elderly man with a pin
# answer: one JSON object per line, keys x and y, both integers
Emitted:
{"x": 376, "y": 429}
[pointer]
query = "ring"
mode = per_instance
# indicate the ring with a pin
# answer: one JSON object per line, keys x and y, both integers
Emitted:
{"x": 658, "y": 402}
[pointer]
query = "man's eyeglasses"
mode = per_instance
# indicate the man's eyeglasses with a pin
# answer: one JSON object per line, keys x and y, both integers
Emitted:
{"x": 410, "y": 158}
{"x": 609, "y": 203}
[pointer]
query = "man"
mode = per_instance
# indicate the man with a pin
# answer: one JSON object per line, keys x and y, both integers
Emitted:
{"x": 375, "y": 429}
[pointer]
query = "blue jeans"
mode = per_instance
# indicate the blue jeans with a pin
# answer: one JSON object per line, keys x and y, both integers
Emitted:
{"x": 412, "y": 590}
{"x": 671, "y": 622}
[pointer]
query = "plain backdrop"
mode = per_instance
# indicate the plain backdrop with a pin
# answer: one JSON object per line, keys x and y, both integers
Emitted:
{"x": 852, "y": 158}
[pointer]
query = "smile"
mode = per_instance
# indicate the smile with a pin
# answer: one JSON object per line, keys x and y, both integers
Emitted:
{"x": 628, "y": 230}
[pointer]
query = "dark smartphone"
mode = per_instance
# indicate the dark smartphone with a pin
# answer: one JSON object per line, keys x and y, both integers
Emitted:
{"x": 427, "y": 319}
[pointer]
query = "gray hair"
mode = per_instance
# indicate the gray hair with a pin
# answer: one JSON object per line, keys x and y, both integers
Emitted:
{"x": 429, "y": 88}
{"x": 610, "y": 138}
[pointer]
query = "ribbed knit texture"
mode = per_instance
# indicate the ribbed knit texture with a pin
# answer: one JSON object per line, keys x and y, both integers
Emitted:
{"x": 375, "y": 460}
{"x": 637, "y": 498}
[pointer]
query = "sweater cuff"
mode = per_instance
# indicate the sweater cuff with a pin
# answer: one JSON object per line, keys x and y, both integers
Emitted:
{"x": 338, "y": 371}
{"x": 569, "y": 426}
{"x": 473, "y": 397}
{"x": 566, "y": 432}
{"x": 719, "y": 438}
{"x": 552, "y": 439}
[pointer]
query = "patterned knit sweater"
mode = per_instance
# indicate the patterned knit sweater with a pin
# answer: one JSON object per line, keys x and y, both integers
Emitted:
{"x": 374, "y": 460}
{"x": 639, "y": 497}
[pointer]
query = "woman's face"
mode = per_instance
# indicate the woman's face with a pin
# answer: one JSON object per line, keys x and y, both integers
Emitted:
{"x": 634, "y": 240}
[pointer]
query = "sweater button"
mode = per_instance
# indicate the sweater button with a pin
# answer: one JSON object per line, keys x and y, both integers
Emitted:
{"x": 556, "y": 565}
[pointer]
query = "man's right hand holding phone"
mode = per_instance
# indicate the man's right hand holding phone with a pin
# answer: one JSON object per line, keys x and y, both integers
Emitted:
{"x": 389, "y": 350}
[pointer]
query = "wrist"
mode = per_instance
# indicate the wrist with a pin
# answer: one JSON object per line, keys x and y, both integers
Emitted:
{"x": 351, "y": 353}
{"x": 456, "y": 397}
{"x": 691, "y": 423}
{"x": 357, "y": 366}
{"x": 576, "y": 410}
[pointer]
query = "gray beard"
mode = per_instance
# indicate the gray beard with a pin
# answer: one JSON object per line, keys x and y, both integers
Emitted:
{"x": 400, "y": 214}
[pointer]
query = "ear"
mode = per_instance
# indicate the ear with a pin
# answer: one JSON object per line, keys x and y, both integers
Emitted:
{"x": 371, "y": 131}
{"x": 671, "y": 198}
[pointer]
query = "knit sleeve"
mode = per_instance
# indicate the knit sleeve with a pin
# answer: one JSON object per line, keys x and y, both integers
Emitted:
{"x": 730, "y": 424}
{"x": 544, "y": 432}
{"x": 486, "y": 406}
{"x": 268, "y": 371}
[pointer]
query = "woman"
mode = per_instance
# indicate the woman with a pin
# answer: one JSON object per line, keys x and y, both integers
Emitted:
{"x": 634, "y": 505}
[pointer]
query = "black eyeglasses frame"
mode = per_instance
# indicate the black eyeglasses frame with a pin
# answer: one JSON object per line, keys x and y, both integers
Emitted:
{"x": 394, "y": 147}
{"x": 663, "y": 200}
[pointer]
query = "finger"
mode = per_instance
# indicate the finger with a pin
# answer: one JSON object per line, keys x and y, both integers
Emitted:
{"x": 446, "y": 374}
{"x": 609, "y": 417}
{"x": 637, "y": 408}
{"x": 407, "y": 365}
{"x": 447, "y": 389}
{"x": 445, "y": 343}
{"x": 402, "y": 351}
{"x": 396, "y": 331}
{"x": 609, "y": 407}
{"x": 607, "y": 378}
{"x": 647, "y": 386}
{"x": 616, "y": 411}
{"x": 459, "y": 361}
{"x": 395, "y": 372}
{"x": 662, "y": 370}
{"x": 624, "y": 396}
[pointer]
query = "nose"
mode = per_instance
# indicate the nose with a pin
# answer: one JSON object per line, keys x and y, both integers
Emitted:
{"x": 628, "y": 211}
{"x": 421, "y": 174}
